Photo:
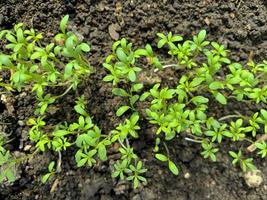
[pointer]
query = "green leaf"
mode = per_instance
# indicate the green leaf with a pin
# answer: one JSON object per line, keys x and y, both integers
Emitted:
{"x": 134, "y": 118}
{"x": 141, "y": 52}
{"x": 264, "y": 114}
{"x": 149, "y": 49}
{"x": 81, "y": 121}
{"x": 18, "y": 77}
{"x": 144, "y": 96}
{"x": 60, "y": 133}
{"x": 46, "y": 177}
{"x": 102, "y": 152}
{"x": 51, "y": 166}
{"x": 196, "y": 81}
{"x": 92, "y": 153}
{"x": 135, "y": 183}
{"x": 122, "y": 110}
{"x": 134, "y": 99}
{"x": 233, "y": 154}
{"x": 201, "y": 35}
{"x": 177, "y": 38}
{"x": 161, "y": 157}
{"x": 31, "y": 121}
{"x": 120, "y": 92}
{"x": 173, "y": 168}
{"x": 161, "y": 43}
{"x": 161, "y": 35}
{"x": 219, "y": 97}
{"x": 11, "y": 38}
{"x": 199, "y": 99}
{"x": 69, "y": 43}
{"x": 80, "y": 110}
{"x": 137, "y": 87}
{"x": 63, "y": 23}
{"x": 85, "y": 47}
{"x": 10, "y": 175}
{"x": 108, "y": 78}
{"x": 18, "y": 47}
{"x": 132, "y": 75}
{"x": 36, "y": 55}
{"x": 81, "y": 162}
{"x": 20, "y": 35}
{"x": 4, "y": 60}
{"x": 121, "y": 55}
{"x": 216, "y": 85}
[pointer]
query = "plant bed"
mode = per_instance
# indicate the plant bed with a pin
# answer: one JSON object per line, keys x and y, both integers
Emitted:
{"x": 102, "y": 106}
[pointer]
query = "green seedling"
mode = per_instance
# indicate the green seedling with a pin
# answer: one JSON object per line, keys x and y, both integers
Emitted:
{"x": 171, "y": 165}
{"x": 51, "y": 172}
{"x": 209, "y": 151}
{"x": 208, "y": 77}
{"x": 245, "y": 164}
{"x": 42, "y": 68}
{"x": 262, "y": 147}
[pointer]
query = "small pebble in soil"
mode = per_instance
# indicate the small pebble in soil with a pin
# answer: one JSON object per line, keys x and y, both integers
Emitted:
{"x": 148, "y": 194}
{"x": 23, "y": 94}
{"x": 113, "y": 31}
{"x": 253, "y": 178}
{"x": 136, "y": 197}
{"x": 187, "y": 175}
{"x": 21, "y": 123}
{"x": 27, "y": 147}
{"x": 3, "y": 98}
{"x": 121, "y": 187}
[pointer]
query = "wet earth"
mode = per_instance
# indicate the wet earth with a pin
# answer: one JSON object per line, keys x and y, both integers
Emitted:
{"x": 240, "y": 25}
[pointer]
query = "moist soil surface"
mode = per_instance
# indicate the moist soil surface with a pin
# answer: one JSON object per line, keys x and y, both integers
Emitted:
{"x": 240, "y": 25}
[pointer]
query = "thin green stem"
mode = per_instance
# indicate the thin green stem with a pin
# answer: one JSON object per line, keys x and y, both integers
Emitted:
{"x": 248, "y": 140}
{"x": 167, "y": 150}
{"x": 59, "y": 162}
{"x": 166, "y": 66}
{"x": 127, "y": 142}
{"x": 18, "y": 160}
{"x": 260, "y": 75}
{"x": 192, "y": 140}
{"x": 66, "y": 91}
{"x": 121, "y": 143}
{"x": 228, "y": 117}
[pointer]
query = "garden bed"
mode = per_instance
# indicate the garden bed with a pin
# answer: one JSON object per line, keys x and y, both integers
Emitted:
{"x": 239, "y": 25}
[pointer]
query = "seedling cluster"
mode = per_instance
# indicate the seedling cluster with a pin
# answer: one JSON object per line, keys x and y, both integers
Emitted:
{"x": 207, "y": 77}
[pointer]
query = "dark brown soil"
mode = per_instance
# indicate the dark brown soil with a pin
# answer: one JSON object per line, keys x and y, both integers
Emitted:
{"x": 240, "y": 25}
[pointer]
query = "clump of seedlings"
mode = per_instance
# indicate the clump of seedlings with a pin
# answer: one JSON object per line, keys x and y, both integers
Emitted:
{"x": 207, "y": 76}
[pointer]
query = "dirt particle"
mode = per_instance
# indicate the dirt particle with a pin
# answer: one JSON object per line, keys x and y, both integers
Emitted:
{"x": 1, "y": 19}
{"x": 118, "y": 7}
{"x": 21, "y": 123}
{"x": 121, "y": 187}
{"x": 148, "y": 194}
{"x": 27, "y": 147}
{"x": 112, "y": 30}
{"x": 100, "y": 7}
{"x": 253, "y": 178}
{"x": 232, "y": 15}
{"x": 187, "y": 175}
{"x": 54, "y": 186}
{"x": 136, "y": 197}
{"x": 207, "y": 21}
